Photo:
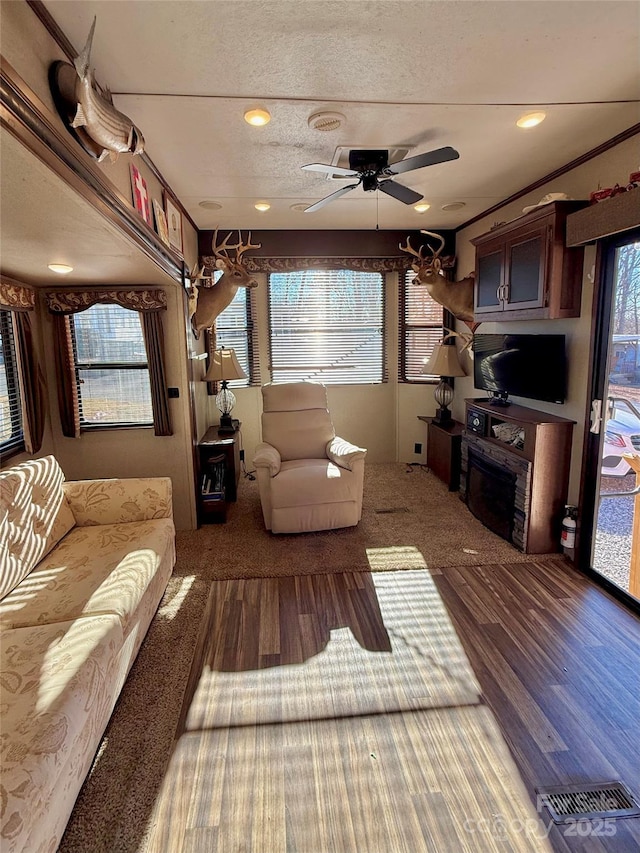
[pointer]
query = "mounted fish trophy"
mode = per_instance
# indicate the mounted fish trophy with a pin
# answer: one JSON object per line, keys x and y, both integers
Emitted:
{"x": 455, "y": 296}
{"x": 213, "y": 297}
{"x": 88, "y": 111}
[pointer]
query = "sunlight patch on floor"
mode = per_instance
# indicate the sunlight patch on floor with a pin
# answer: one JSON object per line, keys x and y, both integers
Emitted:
{"x": 397, "y": 556}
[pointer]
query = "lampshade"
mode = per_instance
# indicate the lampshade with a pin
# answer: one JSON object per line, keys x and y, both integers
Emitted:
{"x": 224, "y": 366}
{"x": 444, "y": 362}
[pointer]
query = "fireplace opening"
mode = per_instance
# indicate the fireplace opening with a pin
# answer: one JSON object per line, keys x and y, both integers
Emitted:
{"x": 491, "y": 495}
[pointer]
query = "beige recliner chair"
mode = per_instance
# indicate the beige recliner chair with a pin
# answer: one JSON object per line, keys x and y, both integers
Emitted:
{"x": 308, "y": 478}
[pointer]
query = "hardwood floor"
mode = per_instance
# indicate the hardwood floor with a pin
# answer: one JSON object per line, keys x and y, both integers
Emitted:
{"x": 341, "y": 713}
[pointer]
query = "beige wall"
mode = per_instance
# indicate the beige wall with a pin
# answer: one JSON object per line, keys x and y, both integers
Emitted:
{"x": 609, "y": 168}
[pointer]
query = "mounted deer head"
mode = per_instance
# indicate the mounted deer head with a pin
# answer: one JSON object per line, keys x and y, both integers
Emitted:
{"x": 455, "y": 296}
{"x": 214, "y": 298}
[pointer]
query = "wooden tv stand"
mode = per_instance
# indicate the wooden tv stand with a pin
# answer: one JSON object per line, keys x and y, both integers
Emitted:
{"x": 539, "y": 460}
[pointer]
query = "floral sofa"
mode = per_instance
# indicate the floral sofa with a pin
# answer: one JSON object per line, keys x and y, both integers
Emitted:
{"x": 83, "y": 566}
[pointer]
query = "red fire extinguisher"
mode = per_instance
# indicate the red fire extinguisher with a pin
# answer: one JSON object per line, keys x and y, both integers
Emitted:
{"x": 569, "y": 524}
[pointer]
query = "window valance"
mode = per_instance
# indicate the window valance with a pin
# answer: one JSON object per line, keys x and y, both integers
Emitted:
{"x": 73, "y": 301}
{"x": 15, "y": 296}
{"x": 296, "y": 264}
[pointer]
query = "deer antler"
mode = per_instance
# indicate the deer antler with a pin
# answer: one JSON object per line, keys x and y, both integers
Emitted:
{"x": 438, "y": 237}
{"x": 465, "y": 337}
{"x": 241, "y": 248}
{"x": 222, "y": 250}
{"x": 411, "y": 251}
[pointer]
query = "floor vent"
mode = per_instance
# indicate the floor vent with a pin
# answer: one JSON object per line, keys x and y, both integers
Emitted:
{"x": 394, "y": 509}
{"x": 568, "y": 803}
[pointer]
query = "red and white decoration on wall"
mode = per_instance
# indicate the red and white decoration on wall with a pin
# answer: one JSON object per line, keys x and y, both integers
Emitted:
{"x": 141, "y": 199}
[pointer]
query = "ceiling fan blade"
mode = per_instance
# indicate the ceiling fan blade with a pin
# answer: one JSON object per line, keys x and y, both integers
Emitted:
{"x": 329, "y": 198}
{"x": 402, "y": 193}
{"x": 439, "y": 155}
{"x": 330, "y": 170}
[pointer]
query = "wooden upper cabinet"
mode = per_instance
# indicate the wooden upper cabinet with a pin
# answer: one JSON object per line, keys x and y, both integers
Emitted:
{"x": 525, "y": 271}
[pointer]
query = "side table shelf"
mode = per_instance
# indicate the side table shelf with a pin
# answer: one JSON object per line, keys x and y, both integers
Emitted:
{"x": 218, "y": 474}
{"x": 443, "y": 450}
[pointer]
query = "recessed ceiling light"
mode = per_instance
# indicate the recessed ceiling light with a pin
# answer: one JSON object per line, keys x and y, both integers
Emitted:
{"x": 300, "y": 206}
{"x": 325, "y": 122}
{"x": 422, "y": 207}
{"x": 453, "y": 205}
{"x": 210, "y": 205}
{"x": 262, "y": 206}
{"x": 531, "y": 119}
{"x": 257, "y": 117}
{"x": 61, "y": 269}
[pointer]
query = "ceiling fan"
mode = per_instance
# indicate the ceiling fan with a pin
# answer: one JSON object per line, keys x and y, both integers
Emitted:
{"x": 374, "y": 173}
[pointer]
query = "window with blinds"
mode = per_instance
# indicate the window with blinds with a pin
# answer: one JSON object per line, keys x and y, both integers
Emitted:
{"x": 327, "y": 326}
{"x": 112, "y": 373}
{"x": 235, "y": 330}
{"x": 11, "y": 434}
{"x": 421, "y": 328}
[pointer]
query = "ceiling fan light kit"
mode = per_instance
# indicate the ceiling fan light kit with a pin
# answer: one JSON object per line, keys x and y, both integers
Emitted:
{"x": 422, "y": 207}
{"x": 262, "y": 206}
{"x": 372, "y": 169}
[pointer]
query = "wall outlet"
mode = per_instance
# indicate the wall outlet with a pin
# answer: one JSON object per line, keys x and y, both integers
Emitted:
{"x": 417, "y": 448}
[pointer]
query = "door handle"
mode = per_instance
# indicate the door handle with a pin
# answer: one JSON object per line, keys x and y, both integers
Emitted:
{"x": 596, "y": 416}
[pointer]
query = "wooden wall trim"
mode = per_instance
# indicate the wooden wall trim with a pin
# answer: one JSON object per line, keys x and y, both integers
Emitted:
{"x": 579, "y": 161}
{"x": 25, "y": 117}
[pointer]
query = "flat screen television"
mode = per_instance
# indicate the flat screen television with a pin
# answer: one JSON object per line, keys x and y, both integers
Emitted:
{"x": 532, "y": 366}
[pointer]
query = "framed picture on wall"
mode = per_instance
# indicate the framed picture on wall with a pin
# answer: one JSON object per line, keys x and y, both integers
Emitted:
{"x": 174, "y": 222}
{"x": 161, "y": 222}
{"x": 141, "y": 199}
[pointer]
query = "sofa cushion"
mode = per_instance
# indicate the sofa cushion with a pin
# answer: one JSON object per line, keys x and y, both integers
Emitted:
{"x": 55, "y": 700}
{"x": 37, "y": 517}
{"x": 306, "y": 482}
{"x": 95, "y": 570}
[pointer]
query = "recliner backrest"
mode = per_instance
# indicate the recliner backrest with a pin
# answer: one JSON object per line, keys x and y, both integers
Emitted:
{"x": 296, "y": 420}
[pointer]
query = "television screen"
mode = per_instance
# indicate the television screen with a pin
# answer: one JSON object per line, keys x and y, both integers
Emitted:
{"x": 532, "y": 366}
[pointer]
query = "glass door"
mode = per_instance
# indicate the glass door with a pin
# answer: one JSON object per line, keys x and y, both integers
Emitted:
{"x": 612, "y": 482}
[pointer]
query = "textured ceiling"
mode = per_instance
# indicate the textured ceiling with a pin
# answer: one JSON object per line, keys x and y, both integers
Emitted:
{"x": 419, "y": 74}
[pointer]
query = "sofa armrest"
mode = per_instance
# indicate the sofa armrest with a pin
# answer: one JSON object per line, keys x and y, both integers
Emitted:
{"x": 118, "y": 500}
{"x": 343, "y": 453}
{"x": 266, "y": 456}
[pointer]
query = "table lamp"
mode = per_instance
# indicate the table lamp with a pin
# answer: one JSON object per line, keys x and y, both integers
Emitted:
{"x": 224, "y": 367}
{"x": 443, "y": 362}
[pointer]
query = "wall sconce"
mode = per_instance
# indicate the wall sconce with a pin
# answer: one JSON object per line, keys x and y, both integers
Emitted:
{"x": 443, "y": 363}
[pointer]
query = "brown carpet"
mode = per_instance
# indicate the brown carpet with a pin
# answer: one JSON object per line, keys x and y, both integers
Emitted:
{"x": 409, "y": 520}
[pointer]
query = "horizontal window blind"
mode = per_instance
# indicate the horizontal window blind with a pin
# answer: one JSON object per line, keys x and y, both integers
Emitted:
{"x": 327, "y": 326}
{"x": 112, "y": 373}
{"x": 11, "y": 432}
{"x": 235, "y": 330}
{"x": 421, "y": 328}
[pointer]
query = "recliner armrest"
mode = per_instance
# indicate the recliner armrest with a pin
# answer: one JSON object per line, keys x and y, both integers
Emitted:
{"x": 266, "y": 456}
{"x": 343, "y": 453}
